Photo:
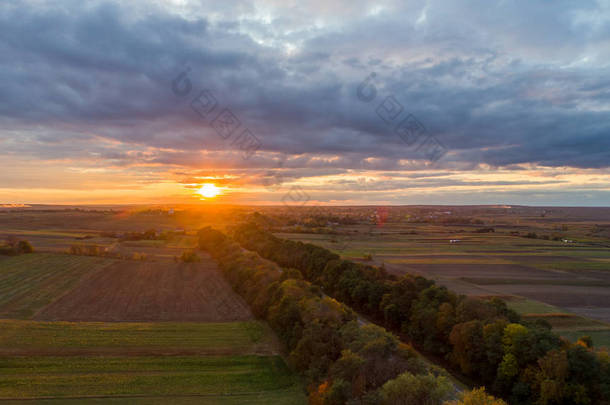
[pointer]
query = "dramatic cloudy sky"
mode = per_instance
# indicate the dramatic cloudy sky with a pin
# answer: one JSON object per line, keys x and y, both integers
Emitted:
{"x": 93, "y": 108}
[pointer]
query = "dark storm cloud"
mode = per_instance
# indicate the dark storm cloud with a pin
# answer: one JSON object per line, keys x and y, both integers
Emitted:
{"x": 500, "y": 84}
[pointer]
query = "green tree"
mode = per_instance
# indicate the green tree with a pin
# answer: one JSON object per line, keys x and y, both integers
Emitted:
{"x": 494, "y": 349}
{"x": 409, "y": 389}
{"x": 509, "y": 367}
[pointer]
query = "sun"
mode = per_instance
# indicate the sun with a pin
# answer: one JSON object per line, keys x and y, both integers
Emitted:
{"x": 209, "y": 190}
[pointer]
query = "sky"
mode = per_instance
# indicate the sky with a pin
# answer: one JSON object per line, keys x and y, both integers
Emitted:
{"x": 305, "y": 102}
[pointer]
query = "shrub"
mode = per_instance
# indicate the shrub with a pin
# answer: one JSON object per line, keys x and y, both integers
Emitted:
{"x": 138, "y": 256}
{"x": 86, "y": 250}
{"x": 190, "y": 257}
{"x": 16, "y": 247}
{"x": 485, "y": 230}
{"x": 23, "y": 246}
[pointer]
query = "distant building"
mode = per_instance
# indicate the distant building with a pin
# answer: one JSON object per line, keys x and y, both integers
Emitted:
{"x": 454, "y": 240}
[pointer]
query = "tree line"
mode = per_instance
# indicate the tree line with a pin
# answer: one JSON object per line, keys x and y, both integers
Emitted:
{"x": 344, "y": 360}
{"x": 484, "y": 340}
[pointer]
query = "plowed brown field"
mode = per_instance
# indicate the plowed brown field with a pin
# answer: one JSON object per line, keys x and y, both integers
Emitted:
{"x": 150, "y": 291}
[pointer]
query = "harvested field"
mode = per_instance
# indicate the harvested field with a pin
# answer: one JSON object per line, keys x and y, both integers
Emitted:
{"x": 464, "y": 287}
{"x": 30, "y": 282}
{"x": 559, "y": 295}
{"x": 539, "y": 258}
{"x": 152, "y": 252}
{"x": 475, "y": 270}
{"x": 602, "y": 312}
{"x": 151, "y": 291}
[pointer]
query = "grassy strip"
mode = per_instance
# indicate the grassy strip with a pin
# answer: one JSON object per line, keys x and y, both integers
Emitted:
{"x": 287, "y": 396}
{"x": 531, "y": 281}
{"x": 525, "y": 306}
{"x": 32, "y": 377}
{"x": 22, "y": 337}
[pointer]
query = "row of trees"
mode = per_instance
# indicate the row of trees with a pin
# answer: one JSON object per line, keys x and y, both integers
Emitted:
{"x": 482, "y": 339}
{"x": 343, "y": 359}
{"x": 150, "y": 234}
{"x": 102, "y": 251}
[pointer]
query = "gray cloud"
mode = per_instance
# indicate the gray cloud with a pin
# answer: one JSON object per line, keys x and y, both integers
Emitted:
{"x": 498, "y": 83}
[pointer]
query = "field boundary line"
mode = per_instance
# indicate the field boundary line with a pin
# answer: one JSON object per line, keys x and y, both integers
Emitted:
{"x": 225, "y": 394}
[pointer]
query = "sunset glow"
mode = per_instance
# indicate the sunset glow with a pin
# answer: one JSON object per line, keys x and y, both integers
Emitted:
{"x": 209, "y": 190}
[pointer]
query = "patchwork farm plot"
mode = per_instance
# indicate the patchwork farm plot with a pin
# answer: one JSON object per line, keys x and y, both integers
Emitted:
{"x": 136, "y": 322}
{"x": 571, "y": 276}
{"x": 98, "y": 329}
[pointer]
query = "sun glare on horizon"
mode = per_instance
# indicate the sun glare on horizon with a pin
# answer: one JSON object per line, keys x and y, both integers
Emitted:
{"x": 209, "y": 190}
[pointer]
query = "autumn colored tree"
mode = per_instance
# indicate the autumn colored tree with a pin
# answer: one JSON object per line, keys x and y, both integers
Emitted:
{"x": 482, "y": 338}
{"x": 477, "y": 396}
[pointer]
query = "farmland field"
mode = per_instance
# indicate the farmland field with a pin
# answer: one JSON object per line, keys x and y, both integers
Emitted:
{"x": 144, "y": 332}
{"x": 139, "y": 338}
{"x": 137, "y": 325}
{"x": 288, "y": 396}
{"x": 150, "y": 291}
{"x": 30, "y": 282}
{"x": 215, "y": 362}
{"x": 560, "y": 277}
{"x": 75, "y": 376}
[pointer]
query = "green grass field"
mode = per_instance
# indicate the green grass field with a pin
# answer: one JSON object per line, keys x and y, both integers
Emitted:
{"x": 125, "y": 363}
{"x": 27, "y": 337}
{"x": 525, "y": 306}
{"x": 30, "y": 282}
{"x": 74, "y": 376}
